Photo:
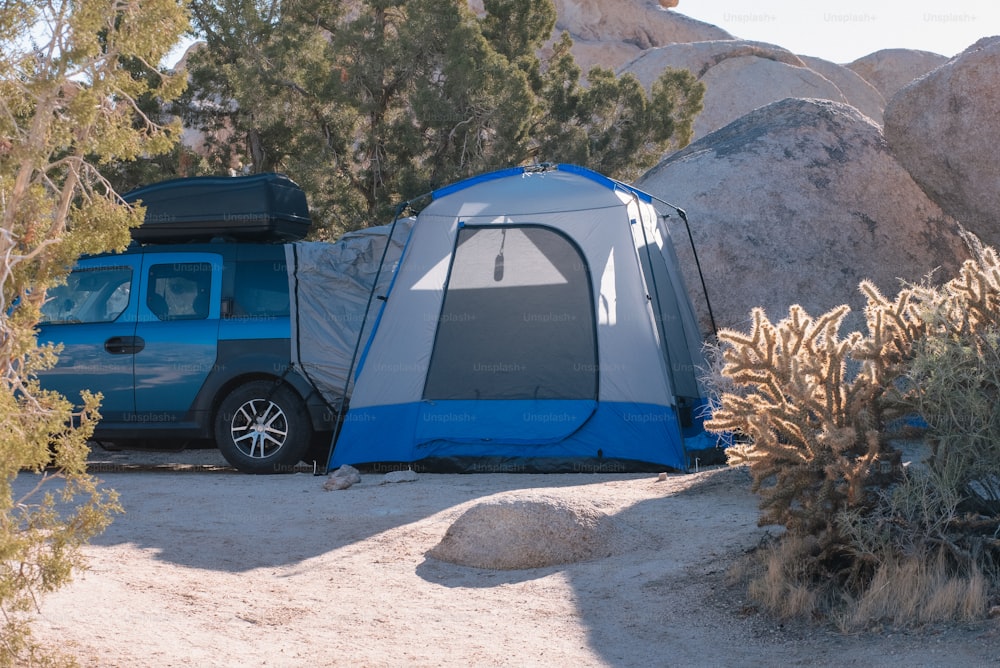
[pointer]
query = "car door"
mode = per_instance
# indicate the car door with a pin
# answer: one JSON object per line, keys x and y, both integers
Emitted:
{"x": 93, "y": 316}
{"x": 178, "y": 322}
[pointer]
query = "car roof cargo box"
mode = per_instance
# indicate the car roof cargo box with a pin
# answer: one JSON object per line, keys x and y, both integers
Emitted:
{"x": 260, "y": 207}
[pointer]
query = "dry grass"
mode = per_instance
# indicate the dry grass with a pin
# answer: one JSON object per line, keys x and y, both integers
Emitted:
{"x": 918, "y": 590}
{"x": 780, "y": 577}
{"x": 776, "y": 577}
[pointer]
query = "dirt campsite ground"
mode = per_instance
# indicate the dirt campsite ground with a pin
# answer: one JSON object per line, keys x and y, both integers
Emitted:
{"x": 209, "y": 567}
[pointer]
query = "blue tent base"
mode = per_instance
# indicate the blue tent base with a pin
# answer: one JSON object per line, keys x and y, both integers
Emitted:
{"x": 556, "y": 435}
{"x": 500, "y": 464}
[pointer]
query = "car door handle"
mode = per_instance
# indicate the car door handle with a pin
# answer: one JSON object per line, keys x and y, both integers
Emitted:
{"x": 124, "y": 345}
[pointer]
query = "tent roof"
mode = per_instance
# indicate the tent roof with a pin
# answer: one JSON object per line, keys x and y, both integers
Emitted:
{"x": 541, "y": 189}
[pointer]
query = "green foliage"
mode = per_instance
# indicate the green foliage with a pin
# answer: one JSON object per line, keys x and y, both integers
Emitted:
{"x": 67, "y": 105}
{"x": 959, "y": 380}
{"x": 817, "y": 409}
{"x": 382, "y": 104}
{"x": 611, "y": 125}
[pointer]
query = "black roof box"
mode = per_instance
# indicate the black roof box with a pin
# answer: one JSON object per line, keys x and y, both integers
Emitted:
{"x": 260, "y": 207}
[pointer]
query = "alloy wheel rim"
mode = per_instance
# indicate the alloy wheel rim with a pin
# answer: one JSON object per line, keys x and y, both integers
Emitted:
{"x": 259, "y": 428}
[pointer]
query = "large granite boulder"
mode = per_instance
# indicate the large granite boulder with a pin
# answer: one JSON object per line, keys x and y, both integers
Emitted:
{"x": 796, "y": 203}
{"x": 945, "y": 129}
{"x": 644, "y": 23}
{"x": 891, "y": 69}
{"x": 859, "y": 93}
{"x": 609, "y": 33}
{"x": 739, "y": 76}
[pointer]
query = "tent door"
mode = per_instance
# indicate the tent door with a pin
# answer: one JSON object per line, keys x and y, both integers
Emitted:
{"x": 516, "y": 344}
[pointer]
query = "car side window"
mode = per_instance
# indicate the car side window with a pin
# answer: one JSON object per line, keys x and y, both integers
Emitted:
{"x": 260, "y": 290}
{"x": 91, "y": 295}
{"x": 179, "y": 291}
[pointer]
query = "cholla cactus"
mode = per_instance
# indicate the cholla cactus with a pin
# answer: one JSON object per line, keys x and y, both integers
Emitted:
{"x": 973, "y": 297}
{"x": 814, "y": 421}
{"x": 815, "y": 409}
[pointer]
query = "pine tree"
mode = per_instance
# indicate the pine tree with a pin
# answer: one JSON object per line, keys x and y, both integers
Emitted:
{"x": 372, "y": 106}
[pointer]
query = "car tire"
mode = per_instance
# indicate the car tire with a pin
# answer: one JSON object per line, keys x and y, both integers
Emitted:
{"x": 260, "y": 428}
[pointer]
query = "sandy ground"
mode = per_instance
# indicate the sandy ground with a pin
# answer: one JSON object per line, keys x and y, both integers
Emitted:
{"x": 208, "y": 567}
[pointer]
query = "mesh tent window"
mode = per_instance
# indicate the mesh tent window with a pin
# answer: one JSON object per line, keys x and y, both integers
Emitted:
{"x": 517, "y": 320}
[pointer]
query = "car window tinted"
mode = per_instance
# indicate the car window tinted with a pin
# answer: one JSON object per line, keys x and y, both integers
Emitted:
{"x": 260, "y": 290}
{"x": 90, "y": 295}
{"x": 180, "y": 290}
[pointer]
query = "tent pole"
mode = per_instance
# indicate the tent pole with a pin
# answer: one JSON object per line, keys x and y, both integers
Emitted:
{"x": 697, "y": 262}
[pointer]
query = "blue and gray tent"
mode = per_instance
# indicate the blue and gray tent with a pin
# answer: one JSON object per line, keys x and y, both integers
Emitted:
{"x": 532, "y": 319}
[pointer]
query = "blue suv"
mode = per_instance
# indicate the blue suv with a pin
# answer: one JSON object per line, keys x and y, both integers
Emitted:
{"x": 187, "y": 332}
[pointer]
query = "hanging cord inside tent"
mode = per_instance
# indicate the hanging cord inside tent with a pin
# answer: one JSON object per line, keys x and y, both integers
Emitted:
{"x": 364, "y": 320}
{"x": 697, "y": 262}
{"x": 498, "y": 262}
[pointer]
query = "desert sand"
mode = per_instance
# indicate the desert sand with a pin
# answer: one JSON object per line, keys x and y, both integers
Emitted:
{"x": 209, "y": 567}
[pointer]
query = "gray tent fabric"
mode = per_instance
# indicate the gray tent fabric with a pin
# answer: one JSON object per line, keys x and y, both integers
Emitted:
{"x": 331, "y": 287}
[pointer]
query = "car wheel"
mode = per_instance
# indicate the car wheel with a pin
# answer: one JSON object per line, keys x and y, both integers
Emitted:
{"x": 263, "y": 429}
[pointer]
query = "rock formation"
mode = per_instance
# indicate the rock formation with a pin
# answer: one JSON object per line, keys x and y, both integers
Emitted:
{"x": 944, "y": 128}
{"x": 797, "y": 202}
{"x": 525, "y": 530}
{"x": 891, "y": 69}
{"x": 859, "y": 93}
{"x": 644, "y": 23}
{"x": 742, "y": 75}
{"x": 609, "y": 33}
